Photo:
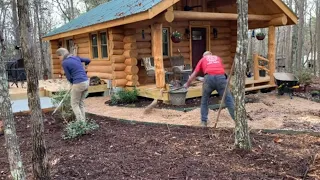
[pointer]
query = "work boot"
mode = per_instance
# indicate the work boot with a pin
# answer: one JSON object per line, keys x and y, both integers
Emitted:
{"x": 204, "y": 123}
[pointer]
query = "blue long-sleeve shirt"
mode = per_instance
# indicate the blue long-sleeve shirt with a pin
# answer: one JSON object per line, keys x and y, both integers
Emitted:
{"x": 74, "y": 70}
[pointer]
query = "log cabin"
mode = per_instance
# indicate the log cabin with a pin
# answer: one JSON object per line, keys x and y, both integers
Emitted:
{"x": 118, "y": 36}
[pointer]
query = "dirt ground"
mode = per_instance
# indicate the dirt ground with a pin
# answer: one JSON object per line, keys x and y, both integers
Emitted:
{"x": 119, "y": 150}
{"x": 265, "y": 111}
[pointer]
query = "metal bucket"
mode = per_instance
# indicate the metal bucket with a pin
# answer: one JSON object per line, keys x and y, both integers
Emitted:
{"x": 178, "y": 97}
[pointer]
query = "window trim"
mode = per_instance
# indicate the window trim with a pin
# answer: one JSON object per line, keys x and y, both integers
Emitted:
{"x": 168, "y": 42}
{"x": 99, "y": 46}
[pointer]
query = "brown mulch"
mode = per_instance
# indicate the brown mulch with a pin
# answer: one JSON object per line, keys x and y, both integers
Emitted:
{"x": 119, "y": 150}
{"x": 144, "y": 102}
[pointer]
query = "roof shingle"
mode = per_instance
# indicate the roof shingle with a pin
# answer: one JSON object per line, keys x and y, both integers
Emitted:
{"x": 108, "y": 11}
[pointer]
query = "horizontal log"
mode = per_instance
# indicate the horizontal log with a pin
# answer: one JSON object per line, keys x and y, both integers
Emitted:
{"x": 217, "y": 42}
{"x": 179, "y": 24}
{"x": 203, "y": 16}
{"x": 130, "y": 53}
{"x": 220, "y": 48}
{"x": 119, "y": 75}
{"x": 234, "y": 39}
{"x": 131, "y": 62}
{"x": 116, "y": 45}
{"x": 129, "y": 39}
{"x": 119, "y": 82}
{"x": 83, "y": 45}
{"x": 221, "y": 36}
{"x": 132, "y": 77}
{"x": 132, "y": 70}
{"x": 83, "y": 50}
{"x": 130, "y": 31}
{"x": 141, "y": 38}
{"x": 116, "y": 31}
{"x": 81, "y": 40}
{"x": 182, "y": 49}
{"x": 85, "y": 55}
{"x": 140, "y": 56}
{"x": 220, "y": 23}
{"x": 118, "y": 66}
{"x": 100, "y": 63}
{"x": 86, "y": 35}
{"x": 116, "y": 51}
{"x": 227, "y": 60}
{"x": 143, "y": 45}
{"x": 118, "y": 58}
{"x": 100, "y": 69}
{"x": 56, "y": 66}
{"x": 56, "y": 71}
{"x": 222, "y": 29}
{"x": 227, "y": 66}
{"x": 144, "y": 51}
{"x": 182, "y": 44}
{"x": 129, "y": 46}
{"x": 145, "y": 30}
{"x": 56, "y": 62}
{"x": 116, "y": 37}
{"x": 100, "y": 75}
{"x": 222, "y": 53}
{"x": 132, "y": 83}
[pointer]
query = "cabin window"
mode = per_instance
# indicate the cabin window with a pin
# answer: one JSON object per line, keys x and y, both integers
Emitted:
{"x": 165, "y": 41}
{"x": 94, "y": 45}
{"x": 104, "y": 47}
{"x": 69, "y": 44}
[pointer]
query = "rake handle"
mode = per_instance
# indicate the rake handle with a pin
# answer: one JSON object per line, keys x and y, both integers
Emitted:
{"x": 224, "y": 95}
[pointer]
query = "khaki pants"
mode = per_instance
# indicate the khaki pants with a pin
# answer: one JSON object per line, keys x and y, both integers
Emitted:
{"x": 78, "y": 94}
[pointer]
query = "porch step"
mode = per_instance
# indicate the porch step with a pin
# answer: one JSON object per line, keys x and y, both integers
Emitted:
{"x": 260, "y": 87}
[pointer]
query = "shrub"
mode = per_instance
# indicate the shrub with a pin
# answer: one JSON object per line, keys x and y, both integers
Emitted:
{"x": 124, "y": 96}
{"x": 304, "y": 76}
{"x": 79, "y": 128}
{"x": 65, "y": 108}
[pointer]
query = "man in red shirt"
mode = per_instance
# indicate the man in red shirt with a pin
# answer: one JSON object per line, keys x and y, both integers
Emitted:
{"x": 214, "y": 79}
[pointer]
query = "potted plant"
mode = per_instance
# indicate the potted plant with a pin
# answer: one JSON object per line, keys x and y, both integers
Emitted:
{"x": 176, "y": 37}
{"x": 260, "y": 36}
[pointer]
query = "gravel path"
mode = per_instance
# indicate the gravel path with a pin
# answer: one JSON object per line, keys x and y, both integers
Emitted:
{"x": 267, "y": 111}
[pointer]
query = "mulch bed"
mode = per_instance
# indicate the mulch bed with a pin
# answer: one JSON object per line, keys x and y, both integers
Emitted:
{"x": 144, "y": 102}
{"x": 119, "y": 150}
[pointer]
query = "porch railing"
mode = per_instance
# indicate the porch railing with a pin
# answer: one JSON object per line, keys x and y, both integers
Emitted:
{"x": 257, "y": 67}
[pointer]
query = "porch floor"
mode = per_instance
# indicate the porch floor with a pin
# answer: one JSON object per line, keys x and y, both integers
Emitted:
{"x": 151, "y": 91}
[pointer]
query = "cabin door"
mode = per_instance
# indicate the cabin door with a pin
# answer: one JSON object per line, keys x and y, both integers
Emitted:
{"x": 199, "y": 43}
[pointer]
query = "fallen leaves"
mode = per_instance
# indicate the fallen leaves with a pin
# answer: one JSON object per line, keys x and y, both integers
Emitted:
{"x": 277, "y": 140}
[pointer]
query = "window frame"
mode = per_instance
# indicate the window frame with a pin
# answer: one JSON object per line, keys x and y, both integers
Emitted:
{"x": 168, "y": 42}
{"x": 99, "y": 45}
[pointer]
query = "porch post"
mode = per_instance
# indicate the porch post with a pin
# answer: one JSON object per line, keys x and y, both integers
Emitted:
{"x": 271, "y": 52}
{"x": 157, "y": 53}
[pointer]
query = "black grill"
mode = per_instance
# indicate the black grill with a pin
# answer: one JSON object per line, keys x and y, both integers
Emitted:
{"x": 16, "y": 71}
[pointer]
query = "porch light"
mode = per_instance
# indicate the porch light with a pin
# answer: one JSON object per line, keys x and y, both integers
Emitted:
{"x": 187, "y": 32}
{"x": 142, "y": 34}
{"x": 215, "y": 33}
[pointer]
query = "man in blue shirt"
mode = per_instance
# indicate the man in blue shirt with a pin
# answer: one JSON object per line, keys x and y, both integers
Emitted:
{"x": 76, "y": 75}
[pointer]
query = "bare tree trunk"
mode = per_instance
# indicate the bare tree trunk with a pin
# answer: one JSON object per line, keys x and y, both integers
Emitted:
{"x": 39, "y": 153}
{"x": 318, "y": 37}
{"x": 242, "y": 139}
{"x": 300, "y": 58}
{"x": 37, "y": 4}
{"x": 15, "y": 23}
{"x": 6, "y": 114}
{"x": 72, "y": 9}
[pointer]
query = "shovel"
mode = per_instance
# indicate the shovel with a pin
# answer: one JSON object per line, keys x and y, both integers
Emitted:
{"x": 64, "y": 97}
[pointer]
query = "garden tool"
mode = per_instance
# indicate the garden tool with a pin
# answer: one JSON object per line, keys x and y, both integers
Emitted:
{"x": 154, "y": 103}
{"x": 60, "y": 103}
{"x": 224, "y": 94}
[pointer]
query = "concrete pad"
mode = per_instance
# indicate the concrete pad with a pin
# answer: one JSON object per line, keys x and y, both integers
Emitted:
{"x": 22, "y": 105}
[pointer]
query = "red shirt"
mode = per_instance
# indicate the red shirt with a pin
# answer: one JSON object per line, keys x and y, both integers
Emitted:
{"x": 211, "y": 65}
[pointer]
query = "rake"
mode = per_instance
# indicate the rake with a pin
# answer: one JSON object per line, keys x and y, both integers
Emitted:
{"x": 60, "y": 103}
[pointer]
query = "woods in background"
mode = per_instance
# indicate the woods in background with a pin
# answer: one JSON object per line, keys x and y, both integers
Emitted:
{"x": 298, "y": 46}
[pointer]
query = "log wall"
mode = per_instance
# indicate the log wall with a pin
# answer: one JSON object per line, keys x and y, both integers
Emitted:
{"x": 131, "y": 53}
{"x": 184, "y": 45}
{"x": 221, "y": 45}
{"x": 55, "y": 62}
